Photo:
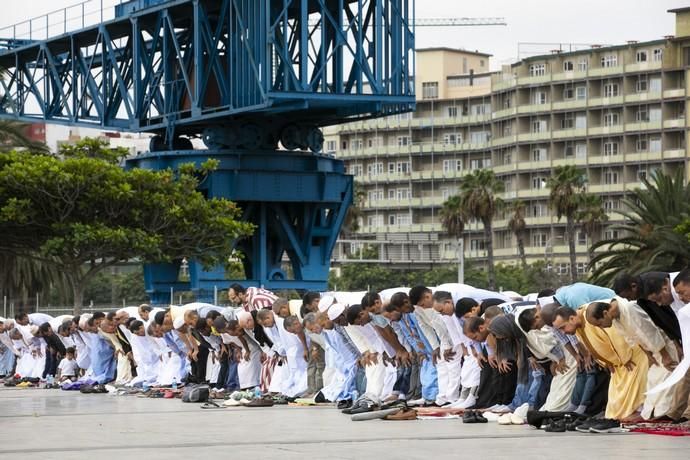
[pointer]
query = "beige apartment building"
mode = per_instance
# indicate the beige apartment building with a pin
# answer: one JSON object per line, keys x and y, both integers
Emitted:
{"x": 617, "y": 112}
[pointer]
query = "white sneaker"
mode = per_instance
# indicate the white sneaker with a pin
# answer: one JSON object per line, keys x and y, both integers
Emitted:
{"x": 522, "y": 411}
{"x": 231, "y": 403}
{"x": 245, "y": 401}
{"x": 516, "y": 419}
{"x": 491, "y": 417}
{"x": 457, "y": 404}
{"x": 469, "y": 402}
{"x": 441, "y": 401}
{"x": 416, "y": 402}
{"x": 500, "y": 408}
{"x": 505, "y": 419}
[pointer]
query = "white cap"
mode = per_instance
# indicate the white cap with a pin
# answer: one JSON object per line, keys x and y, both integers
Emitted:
{"x": 178, "y": 323}
{"x": 2, "y": 320}
{"x": 543, "y": 301}
{"x": 325, "y": 302}
{"x": 336, "y": 310}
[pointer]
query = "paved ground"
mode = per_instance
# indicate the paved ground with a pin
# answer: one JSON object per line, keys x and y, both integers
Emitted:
{"x": 54, "y": 424}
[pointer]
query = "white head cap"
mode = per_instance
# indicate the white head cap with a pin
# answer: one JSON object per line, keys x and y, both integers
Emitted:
{"x": 179, "y": 322}
{"x": 325, "y": 302}
{"x": 336, "y": 310}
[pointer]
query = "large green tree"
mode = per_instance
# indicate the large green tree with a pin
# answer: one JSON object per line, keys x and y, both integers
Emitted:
{"x": 654, "y": 233}
{"x": 518, "y": 226}
{"x": 480, "y": 200}
{"x": 567, "y": 183}
{"x": 85, "y": 213}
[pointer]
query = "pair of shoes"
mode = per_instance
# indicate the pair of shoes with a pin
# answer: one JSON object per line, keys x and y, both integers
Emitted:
{"x": 473, "y": 416}
{"x": 355, "y": 405}
{"x": 404, "y": 414}
{"x": 260, "y": 402}
{"x": 606, "y": 426}
{"x": 231, "y": 403}
{"x": 556, "y": 426}
{"x": 510, "y": 419}
{"x": 416, "y": 402}
{"x": 364, "y": 406}
{"x": 344, "y": 404}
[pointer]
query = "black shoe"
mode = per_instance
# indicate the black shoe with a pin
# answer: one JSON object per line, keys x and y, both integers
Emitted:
{"x": 365, "y": 406}
{"x": 556, "y": 426}
{"x": 352, "y": 407}
{"x": 572, "y": 425}
{"x": 680, "y": 420}
{"x": 470, "y": 416}
{"x": 320, "y": 398}
{"x": 344, "y": 404}
{"x": 606, "y": 426}
{"x": 586, "y": 425}
{"x": 480, "y": 418}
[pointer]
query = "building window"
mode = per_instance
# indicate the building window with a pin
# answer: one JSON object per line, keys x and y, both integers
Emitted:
{"x": 580, "y": 150}
{"x": 537, "y": 70}
{"x": 391, "y": 219}
{"x": 611, "y": 205}
{"x": 538, "y": 183}
{"x": 404, "y": 219}
{"x": 563, "y": 269}
{"x": 539, "y": 155}
{"x": 655, "y": 114}
{"x": 430, "y": 90}
{"x": 375, "y": 169}
{"x": 539, "y": 240}
{"x": 477, "y": 245}
{"x": 375, "y": 221}
{"x": 404, "y": 141}
{"x": 642, "y": 145}
{"x": 539, "y": 98}
{"x": 479, "y": 137}
{"x": 581, "y": 93}
{"x": 403, "y": 167}
{"x": 641, "y": 56}
{"x": 582, "y": 65}
{"x": 609, "y": 60}
{"x": 568, "y": 94}
{"x": 452, "y": 139}
{"x": 610, "y": 148}
{"x": 375, "y": 195}
{"x": 642, "y": 115}
{"x": 343, "y": 145}
{"x": 330, "y": 146}
{"x": 611, "y": 234}
{"x": 452, "y": 112}
{"x": 655, "y": 85}
{"x": 657, "y": 55}
{"x": 357, "y": 144}
{"x": 357, "y": 170}
{"x": 539, "y": 126}
{"x": 641, "y": 84}
{"x": 568, "y": 121}
{"x": 611, "y": 90}
{"x": 481, "y": 63}
{"x": 641, "y": 174}
{"x": 610, "y": 178}
{"x": 611, "y": 119}
{"x": 539, "y": 210}
{"x": 452, "y": 165}
{"x": 581, "y": 238}
{"x": 480, "y": 164}
{"x": 655, "y": 144}
{"x": 399, "y": 194}
{"x": 568, "y": 66}
{"x": 448, "y": 192}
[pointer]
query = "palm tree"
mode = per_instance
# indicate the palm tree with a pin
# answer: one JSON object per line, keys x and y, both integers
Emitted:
{"x": 354, "y": 212}
{"x": 591, "y": 216}
{"x": 653, "y": 235}
{"x": 479, "y": 200}
{"x": 566, "y": 184}
{"x": 517, "y": 225}
{"x": 453, "y": 221}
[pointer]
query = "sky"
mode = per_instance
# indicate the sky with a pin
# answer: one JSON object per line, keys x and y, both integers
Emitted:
{"x": 605, "y": 22}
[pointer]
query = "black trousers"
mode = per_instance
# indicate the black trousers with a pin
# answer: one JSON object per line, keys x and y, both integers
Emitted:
{"x": 496, "y": 388}
{"x": 198, "y": 374}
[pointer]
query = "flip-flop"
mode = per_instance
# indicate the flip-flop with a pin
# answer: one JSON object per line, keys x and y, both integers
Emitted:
{"x": 211, "y": 405}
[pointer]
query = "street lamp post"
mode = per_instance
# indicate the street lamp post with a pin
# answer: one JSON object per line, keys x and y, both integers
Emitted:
{"x": 461, "y": 260}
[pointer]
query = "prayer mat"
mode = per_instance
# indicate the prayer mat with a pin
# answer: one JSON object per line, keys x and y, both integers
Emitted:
{"x": 661, "y": 428}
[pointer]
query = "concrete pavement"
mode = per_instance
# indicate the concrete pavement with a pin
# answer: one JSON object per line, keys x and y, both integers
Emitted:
{"x": 55, "y": 424}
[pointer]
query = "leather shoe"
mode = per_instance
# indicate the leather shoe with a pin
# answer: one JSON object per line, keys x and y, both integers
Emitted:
{"x": 470, "y": 416}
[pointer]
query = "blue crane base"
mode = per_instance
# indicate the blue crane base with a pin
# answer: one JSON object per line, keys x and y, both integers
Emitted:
{"x": 297, "y": 201}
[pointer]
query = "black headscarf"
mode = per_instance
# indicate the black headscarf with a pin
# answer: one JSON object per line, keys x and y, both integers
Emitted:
{"x": 663, "y": 316}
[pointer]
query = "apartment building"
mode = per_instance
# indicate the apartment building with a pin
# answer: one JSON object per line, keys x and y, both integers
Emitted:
{"x": 617, "y": 112}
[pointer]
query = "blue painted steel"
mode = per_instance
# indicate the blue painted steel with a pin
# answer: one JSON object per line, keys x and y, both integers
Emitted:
{"x": 298, "y": 202}
{"x": 174, "y": 67}
{"x": 242, "y": 74}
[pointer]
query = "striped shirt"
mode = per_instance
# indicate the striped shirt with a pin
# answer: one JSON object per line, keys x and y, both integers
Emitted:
{"x": 258, "y": 299}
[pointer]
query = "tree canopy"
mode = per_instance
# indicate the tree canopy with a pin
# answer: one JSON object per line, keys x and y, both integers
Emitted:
{"x": 85, "y": 213}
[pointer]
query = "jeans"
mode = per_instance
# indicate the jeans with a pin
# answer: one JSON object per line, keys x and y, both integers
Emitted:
{"x": 227, "y": 376}
{"x": 402, "y": 384}
{"x": 528, "y": 392}
{"x": 584, "y": 387}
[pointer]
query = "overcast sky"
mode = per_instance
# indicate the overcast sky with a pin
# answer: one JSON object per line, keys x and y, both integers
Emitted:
{"x": 550, "y": 21}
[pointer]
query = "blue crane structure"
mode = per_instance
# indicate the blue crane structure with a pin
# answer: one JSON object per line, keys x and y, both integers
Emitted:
{"x": 256, "y": 80}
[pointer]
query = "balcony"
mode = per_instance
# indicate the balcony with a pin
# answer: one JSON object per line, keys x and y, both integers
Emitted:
{"x": 580, "y": 161}
{"x": 643, "y": 97}
{"x": 676, "y": 123}
{"x": 505, "y": 140}
{"x": 505, "y": 169}
{"x": 606, "y": 188}
{"x": 672, "y": 154}
{"x": 643, "y": 66}
{"x": 534, "y": 108}
{"x": 597, "y": 101}
{"x": 605, "y": 130}
{"x": 572, "y": 75}
{"x": 674, "y": 93}
{"x": 643, "y": 126}
{"x": 412, "y": 228}
{"x": 504, "y": 113}
{"x": 533, "y": 165}
{"x": 533, "y": 193}
{"x": 565, "y": 133}
{"x": 569, "y": 105}
{"x": 642, "y": 157}
{"x": 604, "y": 71}
{"x": 606, "y": 159}
{"x": 504, "y": 84}
{"x": 534, "y": 80}
{"x": 532, "y": 137}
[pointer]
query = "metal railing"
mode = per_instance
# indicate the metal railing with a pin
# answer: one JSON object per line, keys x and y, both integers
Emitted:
{"x": 61, "y": 21}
